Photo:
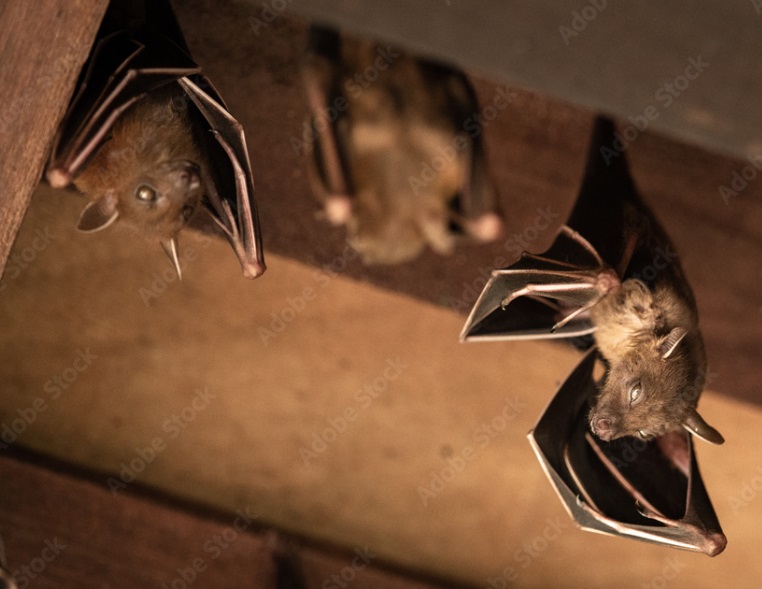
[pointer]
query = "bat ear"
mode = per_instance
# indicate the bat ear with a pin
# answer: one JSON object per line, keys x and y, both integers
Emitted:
{"x": 696, "y": 425}
{"x": 98, "y": 214}
{"x": 670, "y": 343}
{"x": 170, "y": 248}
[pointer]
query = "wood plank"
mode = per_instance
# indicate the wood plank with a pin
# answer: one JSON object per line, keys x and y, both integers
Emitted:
{"x": 43, "y": 45}
{"x": 622, "y": 58}
{"x": 62, "y": 527}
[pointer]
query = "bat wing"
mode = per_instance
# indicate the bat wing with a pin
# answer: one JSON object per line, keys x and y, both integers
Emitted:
{"x": 124, "y": 67}
{"x": 140, "y": 48}
{"x": 646, "y": 490}
{"x": 225, "y": 145}
{"x": 476, "y": 210}
{"x": 329, "y": 175}
{"x": 548, "y": 294}
{"x": 528, "y": 299}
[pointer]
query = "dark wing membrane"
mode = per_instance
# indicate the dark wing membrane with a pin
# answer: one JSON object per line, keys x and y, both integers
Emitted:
{"x": 631, "y": 488}
{"x": 537, "y": 292}
{"x": 230, "y": 194}
{"x": 124, "y": 66}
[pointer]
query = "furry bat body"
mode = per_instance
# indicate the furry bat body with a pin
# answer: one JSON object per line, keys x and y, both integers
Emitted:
{"x": 149, "y": 173}
{"x": 615, "y": 276}
{"x": 391, "y": 159}
{"x": 148, "y": 140}
{"x": 650, "y": 338}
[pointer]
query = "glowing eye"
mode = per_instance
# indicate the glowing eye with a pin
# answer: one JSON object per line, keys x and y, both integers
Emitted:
{"x": 635, "y": 393}
{"x": 145, "y": 193}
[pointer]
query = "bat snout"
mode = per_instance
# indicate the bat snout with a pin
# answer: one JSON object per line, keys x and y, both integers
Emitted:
{"x": 602, "y": 427}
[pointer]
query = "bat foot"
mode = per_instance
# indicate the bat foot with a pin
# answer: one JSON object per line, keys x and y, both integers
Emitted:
{"x": 486, "y": 228}
{"x": 338, "y": 210}
{"x": 253, "y": 270}
{"x": 58, "y": 178}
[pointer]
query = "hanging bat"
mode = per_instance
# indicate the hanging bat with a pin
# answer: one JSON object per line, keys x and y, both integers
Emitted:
{"x": 392, "y": 159}
{"x": 149, "y": 141}
{"x": 649, "y": 490}
{"x": 643, "y": 319}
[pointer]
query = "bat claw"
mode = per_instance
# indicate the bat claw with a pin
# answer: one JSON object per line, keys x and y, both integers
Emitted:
{"x": 58, "y": 178}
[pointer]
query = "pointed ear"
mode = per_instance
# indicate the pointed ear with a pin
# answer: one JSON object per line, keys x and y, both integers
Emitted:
{"x": 170, "y": 248}
{"x": 98, "y": 214}
{"x": 695, "y": 424}
{"x": 670, "y": 343}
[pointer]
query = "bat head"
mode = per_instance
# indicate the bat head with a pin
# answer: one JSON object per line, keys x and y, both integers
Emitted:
{"x": 159, "y": 201}
{"x": 652, "y": 389}
{"x": 147, "y": 174}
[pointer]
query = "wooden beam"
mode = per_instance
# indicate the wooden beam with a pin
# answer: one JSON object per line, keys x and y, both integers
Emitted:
{"x": 43, "y": 45}
{"x": 701, "y": 86}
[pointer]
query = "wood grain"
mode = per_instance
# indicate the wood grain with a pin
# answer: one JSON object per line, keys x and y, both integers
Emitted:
{"x": 43, "y": 45}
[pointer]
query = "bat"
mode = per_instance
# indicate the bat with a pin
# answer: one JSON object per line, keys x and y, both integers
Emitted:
{"x": 392, "y": 159}
{"x": 149, "y": 141}
{"x": 633, "y": 298}
{"x": 649, "y": 490}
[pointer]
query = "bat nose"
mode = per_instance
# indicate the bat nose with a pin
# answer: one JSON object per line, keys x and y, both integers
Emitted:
{"x": 602, "y": 428}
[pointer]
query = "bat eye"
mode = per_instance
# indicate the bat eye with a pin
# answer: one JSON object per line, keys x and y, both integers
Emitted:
{"x": 635, "y": 393}
{"x": 145, "y": 193}
{"x": 642, "y": 434}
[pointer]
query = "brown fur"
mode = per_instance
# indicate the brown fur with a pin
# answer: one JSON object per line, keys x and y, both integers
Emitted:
{"x": 632, "y": 324}
{"x": 151, "y": 145}
{"x": 402, "y": 122}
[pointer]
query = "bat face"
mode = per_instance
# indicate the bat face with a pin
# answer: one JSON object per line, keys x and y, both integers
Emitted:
{"x": 645, "y": 394}
{"x": 655, "y": 368}
{"x": 148, "y": 174}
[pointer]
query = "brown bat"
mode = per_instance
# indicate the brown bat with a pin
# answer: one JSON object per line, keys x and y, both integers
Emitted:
{"x": 657, "y": 364}
{"x": 394, "y": 158}
{"x": 148, "y": 173}
{"x": 629, "y": 291}
{"x": 650, "y": 339}
{"x": 148, "y": 141}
